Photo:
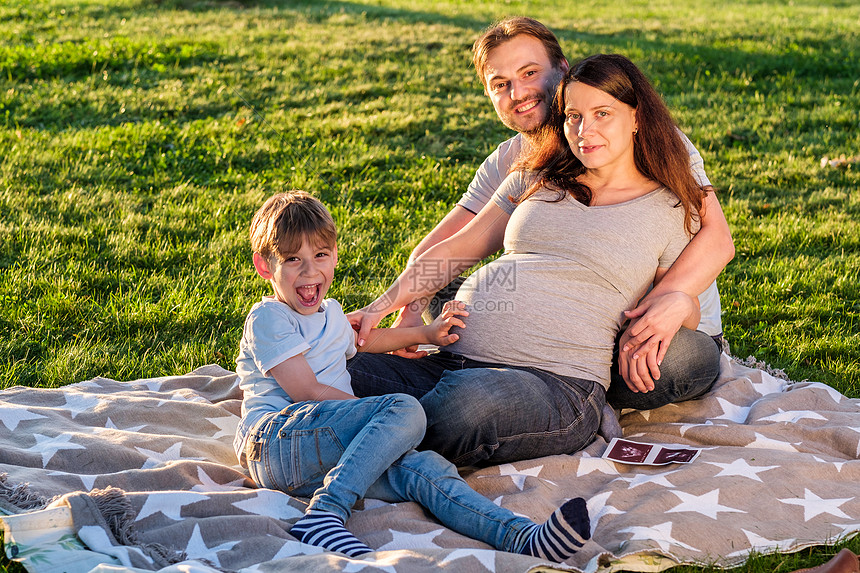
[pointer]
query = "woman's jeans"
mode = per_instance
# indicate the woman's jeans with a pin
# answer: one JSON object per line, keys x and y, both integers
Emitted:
{"x": 339, "y": 451}
{"x": 479, "y": 413}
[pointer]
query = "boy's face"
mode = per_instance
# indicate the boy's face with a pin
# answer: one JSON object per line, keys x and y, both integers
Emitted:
{"x": 302, "y": 280}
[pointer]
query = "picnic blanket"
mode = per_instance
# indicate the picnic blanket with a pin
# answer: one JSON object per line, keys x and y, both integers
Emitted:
{"x": 114, "y": 476}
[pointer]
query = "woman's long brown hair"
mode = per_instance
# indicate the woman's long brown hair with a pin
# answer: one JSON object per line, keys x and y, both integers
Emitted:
{"x": 659, "y": 152}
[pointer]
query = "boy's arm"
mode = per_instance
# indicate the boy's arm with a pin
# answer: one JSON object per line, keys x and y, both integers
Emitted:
{"x": 381, "y": 340}
{"x": 298, "y": 380}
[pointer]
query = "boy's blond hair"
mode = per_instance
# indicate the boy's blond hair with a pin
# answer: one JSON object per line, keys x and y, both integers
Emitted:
{"x": 285, "y": 220}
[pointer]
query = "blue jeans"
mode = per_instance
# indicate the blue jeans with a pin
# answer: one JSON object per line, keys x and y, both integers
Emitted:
{"x": 479, "y": 413}
{"x": 689, "y": 370}
{"x": 339, "y": 451}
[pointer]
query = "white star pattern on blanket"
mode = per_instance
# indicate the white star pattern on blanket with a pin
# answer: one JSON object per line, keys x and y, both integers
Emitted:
{"x": 660, "y": 534}
{"x": 588, "y": 464}
{"x": 48, "y": 446}
{"x": 597, "y": 508}
{"x": 11, "y": 416}
{"x": 792, "y": 417}
{"x": 157, "y": 458}
{"x": 706, "y": 504}
{"x": 169, "y": 504}
{"x": 762, "y": 544}
{"x": 486, "y": 557}
{"x": 407, "y": 540}
{"x": 208, "y": 484}
{"x": 766, "y": 443}
{"x": 226, "y": 426}
{"x": 813, "y": 505}
{"x": 733, "y": 412}
{"x": 643, "y": 478}
{"x": 87, "y": 480}
{"x": 271, "y": 504}
{"x": 78, "y": 403}
{"x": 196, "y": 548}
{"x": 740, "y": 467}
{"x": 519, "y": 476}
{"x": 375, "y": 563}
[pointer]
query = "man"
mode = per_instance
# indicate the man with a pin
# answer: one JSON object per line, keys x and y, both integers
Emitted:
{"x": 520, "y": 62}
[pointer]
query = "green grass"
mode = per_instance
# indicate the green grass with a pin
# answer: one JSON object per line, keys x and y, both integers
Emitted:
{"x": 138, "y": 137}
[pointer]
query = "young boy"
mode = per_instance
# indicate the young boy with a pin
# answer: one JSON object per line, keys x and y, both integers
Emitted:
{"x": 304, "y": 433}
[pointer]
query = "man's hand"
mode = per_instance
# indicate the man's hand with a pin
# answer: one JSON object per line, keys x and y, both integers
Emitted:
{"x": 643, "y": 345}
{"x": 438, "y": 332}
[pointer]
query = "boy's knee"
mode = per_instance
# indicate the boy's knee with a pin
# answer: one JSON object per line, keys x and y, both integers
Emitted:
{"x": 410, "y": 414}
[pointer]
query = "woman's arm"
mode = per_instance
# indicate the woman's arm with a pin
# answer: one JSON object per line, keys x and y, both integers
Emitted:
{"x": 435, "y": 268}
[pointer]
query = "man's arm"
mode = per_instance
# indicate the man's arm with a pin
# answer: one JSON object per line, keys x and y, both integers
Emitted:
{"x": 696, "y": 268}
{"x": 654, "y": 322}
{"x": 639, "y": 370}
{"x": 298, "y": 380}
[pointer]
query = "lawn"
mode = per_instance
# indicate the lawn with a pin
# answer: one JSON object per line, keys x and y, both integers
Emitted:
{"x": 139, "y": 136}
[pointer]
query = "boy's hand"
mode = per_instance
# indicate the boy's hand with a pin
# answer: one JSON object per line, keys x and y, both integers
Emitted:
{"x": 408, "y": 317}
{"x": 438, "y": 330}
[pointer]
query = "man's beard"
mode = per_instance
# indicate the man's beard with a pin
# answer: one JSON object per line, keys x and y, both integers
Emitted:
{"x": 534, "y": 125}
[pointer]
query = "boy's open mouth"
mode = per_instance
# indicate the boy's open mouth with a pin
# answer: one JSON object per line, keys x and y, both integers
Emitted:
{"x": 309, "y": 294}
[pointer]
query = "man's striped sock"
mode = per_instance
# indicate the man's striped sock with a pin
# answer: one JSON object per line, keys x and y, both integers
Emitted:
{"x": 563, "y": 534}
{"x": 326, "y": 530}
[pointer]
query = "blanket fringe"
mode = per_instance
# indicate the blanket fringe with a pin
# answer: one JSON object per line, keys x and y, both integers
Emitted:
{"x": 752, "y": 362}
{"x": 17, "y": 498}
{"x": 118, "y": 513}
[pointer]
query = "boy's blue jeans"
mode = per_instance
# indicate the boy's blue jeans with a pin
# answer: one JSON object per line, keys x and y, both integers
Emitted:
{"x": 480, "y": 413}
{"x": 339, "y": 451}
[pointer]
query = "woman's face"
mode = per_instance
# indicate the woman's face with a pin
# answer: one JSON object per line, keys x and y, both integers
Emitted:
{"x": 598, "y": 127}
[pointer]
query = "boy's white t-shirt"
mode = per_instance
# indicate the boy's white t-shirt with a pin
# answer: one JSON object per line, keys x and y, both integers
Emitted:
{"x": 273, "y": 333}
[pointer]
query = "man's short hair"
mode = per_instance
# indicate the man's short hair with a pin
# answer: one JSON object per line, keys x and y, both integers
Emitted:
{"x": 506, "y": 30}
{"x": 285, "y": 220}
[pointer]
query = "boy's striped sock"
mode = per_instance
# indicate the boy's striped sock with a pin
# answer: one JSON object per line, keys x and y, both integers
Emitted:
{"x": 563, "y": 534}
{"x": 326, "y": 530}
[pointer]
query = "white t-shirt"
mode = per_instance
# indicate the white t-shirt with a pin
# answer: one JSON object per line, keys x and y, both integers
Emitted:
{"x": 273, "y": 333}
{"x": 496, "y": 167}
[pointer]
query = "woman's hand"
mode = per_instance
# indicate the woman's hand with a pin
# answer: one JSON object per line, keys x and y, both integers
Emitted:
{"x": 438, "y": 332}
{"x": 652, "y": 326}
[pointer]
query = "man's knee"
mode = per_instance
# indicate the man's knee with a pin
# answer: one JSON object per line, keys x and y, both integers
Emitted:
{"x": 469, "y": 397}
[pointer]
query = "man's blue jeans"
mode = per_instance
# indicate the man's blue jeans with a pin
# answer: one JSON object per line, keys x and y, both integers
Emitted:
{"x": 339, "y": 451}
{"x": 480, "y": 413}
{"x": 689, "y": 370}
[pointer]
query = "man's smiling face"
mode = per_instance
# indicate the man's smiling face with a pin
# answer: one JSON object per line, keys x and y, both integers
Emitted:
{"x": 520, "y": 80}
